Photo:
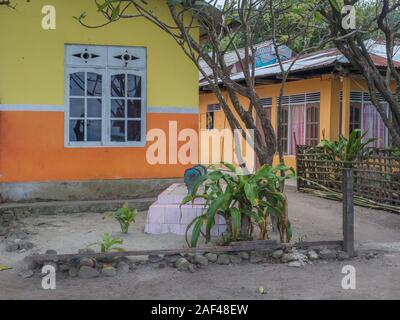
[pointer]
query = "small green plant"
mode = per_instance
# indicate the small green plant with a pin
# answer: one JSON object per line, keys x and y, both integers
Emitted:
{"x": 125, "y": 217}
{"x": 347, "y": 150}
{"x": 109, "y": 244}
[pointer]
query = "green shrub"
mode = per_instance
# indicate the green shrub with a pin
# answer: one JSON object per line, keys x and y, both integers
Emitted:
{"x": 347, "y": 150}
{"x": 109, "y": 244}
{"x": 243, "y": 200}
{"x": 125, "y": 217}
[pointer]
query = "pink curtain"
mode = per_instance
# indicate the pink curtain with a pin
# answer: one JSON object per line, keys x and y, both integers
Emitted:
{"x": 297, "y": 126}
{"x": 372, "y": 122}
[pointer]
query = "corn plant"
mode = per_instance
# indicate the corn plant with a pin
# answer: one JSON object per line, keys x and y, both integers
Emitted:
{"x": 243, "y": 200}
{"x": 347, "y": 150}
{"x": 125, "y": 217}
{"x": 109, "y": 244}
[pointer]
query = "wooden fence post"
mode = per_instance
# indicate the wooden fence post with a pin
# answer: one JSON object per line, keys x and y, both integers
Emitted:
{"x": 348, "y": 211}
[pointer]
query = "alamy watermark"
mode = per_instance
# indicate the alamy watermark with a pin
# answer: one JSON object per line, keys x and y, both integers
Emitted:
{"x": 187, "y": 146}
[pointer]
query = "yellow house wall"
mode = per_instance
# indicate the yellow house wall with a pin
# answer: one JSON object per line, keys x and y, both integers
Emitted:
{"x": 32, "y": 77}
{"x": 32, "y": 59}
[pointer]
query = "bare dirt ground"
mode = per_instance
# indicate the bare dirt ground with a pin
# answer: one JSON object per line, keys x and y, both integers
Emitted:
{"x": 312, "y": 218}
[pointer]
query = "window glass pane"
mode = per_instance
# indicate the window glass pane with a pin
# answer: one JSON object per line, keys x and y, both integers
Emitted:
{"x": 77, "y": 84}
{"x": 297, "y": 126}
{"x": 134, "y": 108}
{"x": 210, "y": 120}
{"x": 284, "y": 128}
{"x": 118, "y": 130}
{"x": 312, "y": 124}
{"x": 118, "y": 85}
{"x": 355, "y": 115}
{"x": 94, "y": 84}
{"x": 134, "y": 86}
{"x": 134, "y": 130}
{"x": 94, "y": 108}
{"x": 77, "y": 107}
{"x": 373, "y": 124}
{"x": 117, "y": 108}
{"x": 76, "y": 130}
{"x": 94, "y": 130}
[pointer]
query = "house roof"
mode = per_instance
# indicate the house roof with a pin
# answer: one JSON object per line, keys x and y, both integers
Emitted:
{"x": 322, "y": 59}
{"x": 231, "y": 57}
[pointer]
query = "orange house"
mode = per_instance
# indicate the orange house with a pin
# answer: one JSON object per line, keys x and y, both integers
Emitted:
{"x": 318, "y": 102}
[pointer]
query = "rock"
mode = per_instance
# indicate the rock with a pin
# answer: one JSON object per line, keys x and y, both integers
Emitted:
{"x": 235, "y": 259}
{"x": 200, "y": 259}
{"x": 296, "y": 264}
{"x": 223, "y": 259}
{"x": 122, "y": 267}
{"x": 244, "y": 255}
{"x": 12, "y": 247}
{"x": 88, "y": 262}
{"x": 370, "y": 255}
{"x": 312, "y": 255}
{"x": 154, "y": 258}
{"x": 172, "y": 258}
{"x": 63, "y": 267}
{"x": 86, "y": 272}
{"x": 19, "y": 234}
{"x": 26, "y": 274}
{"x": 212, "y": 257}
{"x": 73, "y": 272}
{"x": 192, "y": 268}
{"x": 341, "y": 255}
{"x": 86, "y": 251}
{"x": 256, "y": 257}
{"x": 277, "y": 254}
{"x": 327, "y": 254}
{"x": 132, "y": 267}
{"x": 189, "y": 257}
{"x": 108, "y": 271}
{"x": 162, "y": 265}
{"x": 27, "y": 245}
{"x": 30, "y": 263}
{"x": 288, "y": 257}
{"x": 52, "y": 264}
{"x": 4, "y": 231}
{"x": 50, "y": 251}
{"x": 182, "y": 264}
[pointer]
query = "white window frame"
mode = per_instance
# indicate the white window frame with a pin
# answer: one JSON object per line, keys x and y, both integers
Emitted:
{"x": 105, "y": 65}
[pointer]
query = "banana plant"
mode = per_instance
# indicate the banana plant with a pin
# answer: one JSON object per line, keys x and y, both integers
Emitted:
{"x": 243, "y": 200}
{"x": 347, "y": 150}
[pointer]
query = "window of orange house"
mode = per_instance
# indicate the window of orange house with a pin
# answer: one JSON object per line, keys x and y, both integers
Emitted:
{"x": 300, "y": 119}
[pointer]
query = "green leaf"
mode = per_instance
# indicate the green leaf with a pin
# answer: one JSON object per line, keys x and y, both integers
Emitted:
{"x": 199, "y": 222}
{"x": 115, "y": 12}
{"x": 251, "y": 194}
{"x": 236, "y": 219}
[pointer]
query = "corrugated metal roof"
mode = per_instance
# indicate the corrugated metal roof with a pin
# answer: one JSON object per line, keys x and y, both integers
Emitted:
{"x": 232, "y": 58}
{"x": 317, "y": 60}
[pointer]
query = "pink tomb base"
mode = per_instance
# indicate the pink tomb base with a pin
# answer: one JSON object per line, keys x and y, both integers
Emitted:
{"x": 167, "y": 216}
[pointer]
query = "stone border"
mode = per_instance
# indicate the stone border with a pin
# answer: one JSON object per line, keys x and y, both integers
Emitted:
{"x": 89, "y": 264}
